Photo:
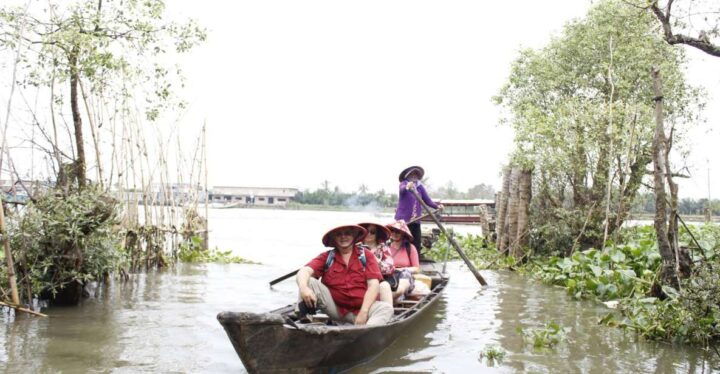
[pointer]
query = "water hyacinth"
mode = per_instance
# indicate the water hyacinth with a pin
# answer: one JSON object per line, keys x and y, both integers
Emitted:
{"x": 622, "y": 276}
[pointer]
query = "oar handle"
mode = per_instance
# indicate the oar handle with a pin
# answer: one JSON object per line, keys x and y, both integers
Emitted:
{"x": 451, "y": 239}
{"x": 286, "y": 276}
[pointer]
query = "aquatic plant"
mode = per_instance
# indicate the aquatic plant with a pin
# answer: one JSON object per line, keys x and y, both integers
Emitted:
{"x": 494, "y": 354}
{"x": 193, "y": 251}
{"x": 547, "y": 336}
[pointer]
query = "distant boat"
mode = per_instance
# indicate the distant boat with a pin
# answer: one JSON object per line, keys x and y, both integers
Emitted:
{"x": 236, "y": 204}
{"x": 466, "y": 211}
{"x": 276, "y": 342}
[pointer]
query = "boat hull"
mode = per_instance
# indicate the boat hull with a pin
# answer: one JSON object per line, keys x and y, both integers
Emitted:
{"x": 266, "y": 344}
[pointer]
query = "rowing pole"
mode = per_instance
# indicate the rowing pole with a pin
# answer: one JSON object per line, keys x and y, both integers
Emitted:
{"x": 451, "y": 239}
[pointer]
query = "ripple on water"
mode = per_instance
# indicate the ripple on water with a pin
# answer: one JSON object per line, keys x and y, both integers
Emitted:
{"x": 166, "y": 321}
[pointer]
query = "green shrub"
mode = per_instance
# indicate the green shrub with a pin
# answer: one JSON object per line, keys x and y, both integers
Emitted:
{"x": 61, "y": 239}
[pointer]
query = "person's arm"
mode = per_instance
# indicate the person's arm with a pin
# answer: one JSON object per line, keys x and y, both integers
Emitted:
{"x": 403, "y": 188}
{"x": 425, "y": 197}
{"x": 314, "y": 268}
{"x": 370, "y": 297}
{"x": 414, "y": 260}
{"x": 306, "y": 294}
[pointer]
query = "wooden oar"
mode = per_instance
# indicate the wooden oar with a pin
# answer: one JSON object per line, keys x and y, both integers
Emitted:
{"x": 292, "y": 273}
{"x": 451, "y": 239}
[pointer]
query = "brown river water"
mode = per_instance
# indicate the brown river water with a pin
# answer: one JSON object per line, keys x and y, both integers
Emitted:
{"x": 165, "y": 321}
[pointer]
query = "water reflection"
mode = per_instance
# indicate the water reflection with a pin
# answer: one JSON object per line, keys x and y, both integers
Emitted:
{"x": 165, "y": 321}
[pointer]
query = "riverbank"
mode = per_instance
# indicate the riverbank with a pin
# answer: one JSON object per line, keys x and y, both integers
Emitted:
{"x": 624, "y": 277}
{"x": 313, "y": 207}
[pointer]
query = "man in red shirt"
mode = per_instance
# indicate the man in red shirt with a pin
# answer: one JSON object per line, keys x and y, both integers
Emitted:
{"x": 348, "y": 289}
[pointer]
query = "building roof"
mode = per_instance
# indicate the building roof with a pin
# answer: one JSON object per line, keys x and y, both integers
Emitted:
{"x": 254, "y": 191}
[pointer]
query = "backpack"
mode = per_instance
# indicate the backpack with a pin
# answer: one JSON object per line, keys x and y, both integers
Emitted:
{"x": 331, "y": 258}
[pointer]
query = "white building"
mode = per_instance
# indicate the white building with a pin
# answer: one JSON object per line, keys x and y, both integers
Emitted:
{"x": 276, "y": 196}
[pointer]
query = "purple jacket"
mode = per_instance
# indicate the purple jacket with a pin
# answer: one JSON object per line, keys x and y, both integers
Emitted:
{"x": 408, "y": 206}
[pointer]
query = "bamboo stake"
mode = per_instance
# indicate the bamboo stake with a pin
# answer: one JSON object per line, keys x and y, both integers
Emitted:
{"x": 93, "y": 133}
{"x": 610, "y": 129}
{"x": 207, "y": 216}
{"x": 25, "y": 310}
{"x": 8, "y": 258}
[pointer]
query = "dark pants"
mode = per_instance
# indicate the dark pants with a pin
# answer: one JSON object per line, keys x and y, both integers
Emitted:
{"x": 416, "y": 232}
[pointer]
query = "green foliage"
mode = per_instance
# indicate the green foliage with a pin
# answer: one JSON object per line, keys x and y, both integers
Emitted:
{"x": 336, "y": 197}
{"x": 547, "y": 336}
{"x": 111, "y": 45}
{"x": 691, "y": 314}
{"x": 61, "y": 239}
{"x": 582, "y": 108}
{"x": 192, "y": 251}
{"x": 482, "y": 253}
{"x": 493, "y": 354}
{"x": 622, "y": 274}
{"x": 618, "y": 271}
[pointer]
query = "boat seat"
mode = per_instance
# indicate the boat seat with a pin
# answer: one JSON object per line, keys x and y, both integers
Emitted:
{"x": 407, "y": 302}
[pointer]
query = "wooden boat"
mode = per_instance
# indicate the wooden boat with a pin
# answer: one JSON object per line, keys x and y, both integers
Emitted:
{"x": 276, "y": 342}
{"x": 465, "y": 211}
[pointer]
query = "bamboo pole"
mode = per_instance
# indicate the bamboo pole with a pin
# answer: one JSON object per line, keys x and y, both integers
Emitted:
{"x": 93, "y": 133}
{"x": 450, "y": 238}
{"x": 612, "y": 134}
{"x": 25, "y": 310}
{"x": 207, "y": 216}
{"x": 8, "y": 258}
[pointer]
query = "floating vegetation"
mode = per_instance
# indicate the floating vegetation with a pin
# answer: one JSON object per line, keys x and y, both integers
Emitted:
{"x": 494, "y": 354}
{"x": 547, "y": 336}
{"x": 193, "y": 251}
{"x": 624, "y": 276}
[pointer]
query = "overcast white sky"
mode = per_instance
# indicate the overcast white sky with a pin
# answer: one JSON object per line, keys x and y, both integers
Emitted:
{"x": 298, "y": 92}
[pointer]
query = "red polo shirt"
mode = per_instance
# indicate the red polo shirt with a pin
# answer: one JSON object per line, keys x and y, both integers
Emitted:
{"x": 347, "y": 282}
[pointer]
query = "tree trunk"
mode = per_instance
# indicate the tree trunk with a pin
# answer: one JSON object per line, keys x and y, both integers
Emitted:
{"x": 512, "y": 214}
{"x": 524, "y": 194}
{"x": 665, "y": 246}
{"x": 8, "y": 258}
{"x": 502, "y": 211}
{"x": 77, "y": 121}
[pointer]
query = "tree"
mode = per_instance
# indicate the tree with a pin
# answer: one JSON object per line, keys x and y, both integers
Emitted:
{"x": 582, "y": 113}
{"x": 688, "y": 16}
{"x": 108, "y": 44}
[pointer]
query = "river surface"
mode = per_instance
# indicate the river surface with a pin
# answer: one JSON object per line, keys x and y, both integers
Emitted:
{"x": 165, "y": 321}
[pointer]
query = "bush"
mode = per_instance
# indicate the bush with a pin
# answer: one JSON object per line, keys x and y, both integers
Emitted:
{"x": 61, "y": 240}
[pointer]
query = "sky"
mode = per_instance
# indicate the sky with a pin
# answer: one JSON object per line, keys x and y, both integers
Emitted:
{"x": 298, "y": 92}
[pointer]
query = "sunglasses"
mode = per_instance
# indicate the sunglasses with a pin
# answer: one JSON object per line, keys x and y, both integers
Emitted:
{"x": 346, "y": 233}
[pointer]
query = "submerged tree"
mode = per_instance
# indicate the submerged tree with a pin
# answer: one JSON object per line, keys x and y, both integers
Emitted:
{"x": 582, "y": 113}
{"x": 108, "y": 44}
{"x": 105, "y": 52}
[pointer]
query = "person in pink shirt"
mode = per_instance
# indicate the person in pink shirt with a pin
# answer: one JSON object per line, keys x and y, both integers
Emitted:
{"x": 405, "y": 257}
{"x": 375, "y": 240}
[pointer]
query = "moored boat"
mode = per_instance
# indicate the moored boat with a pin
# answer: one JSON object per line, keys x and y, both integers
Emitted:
{"x": 276, "y": 342}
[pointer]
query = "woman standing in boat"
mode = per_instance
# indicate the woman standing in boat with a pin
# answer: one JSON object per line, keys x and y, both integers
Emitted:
{"x": 405, "y": 258}
{"x": 375, "y": 240}
{"x": 409, "y": 208}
